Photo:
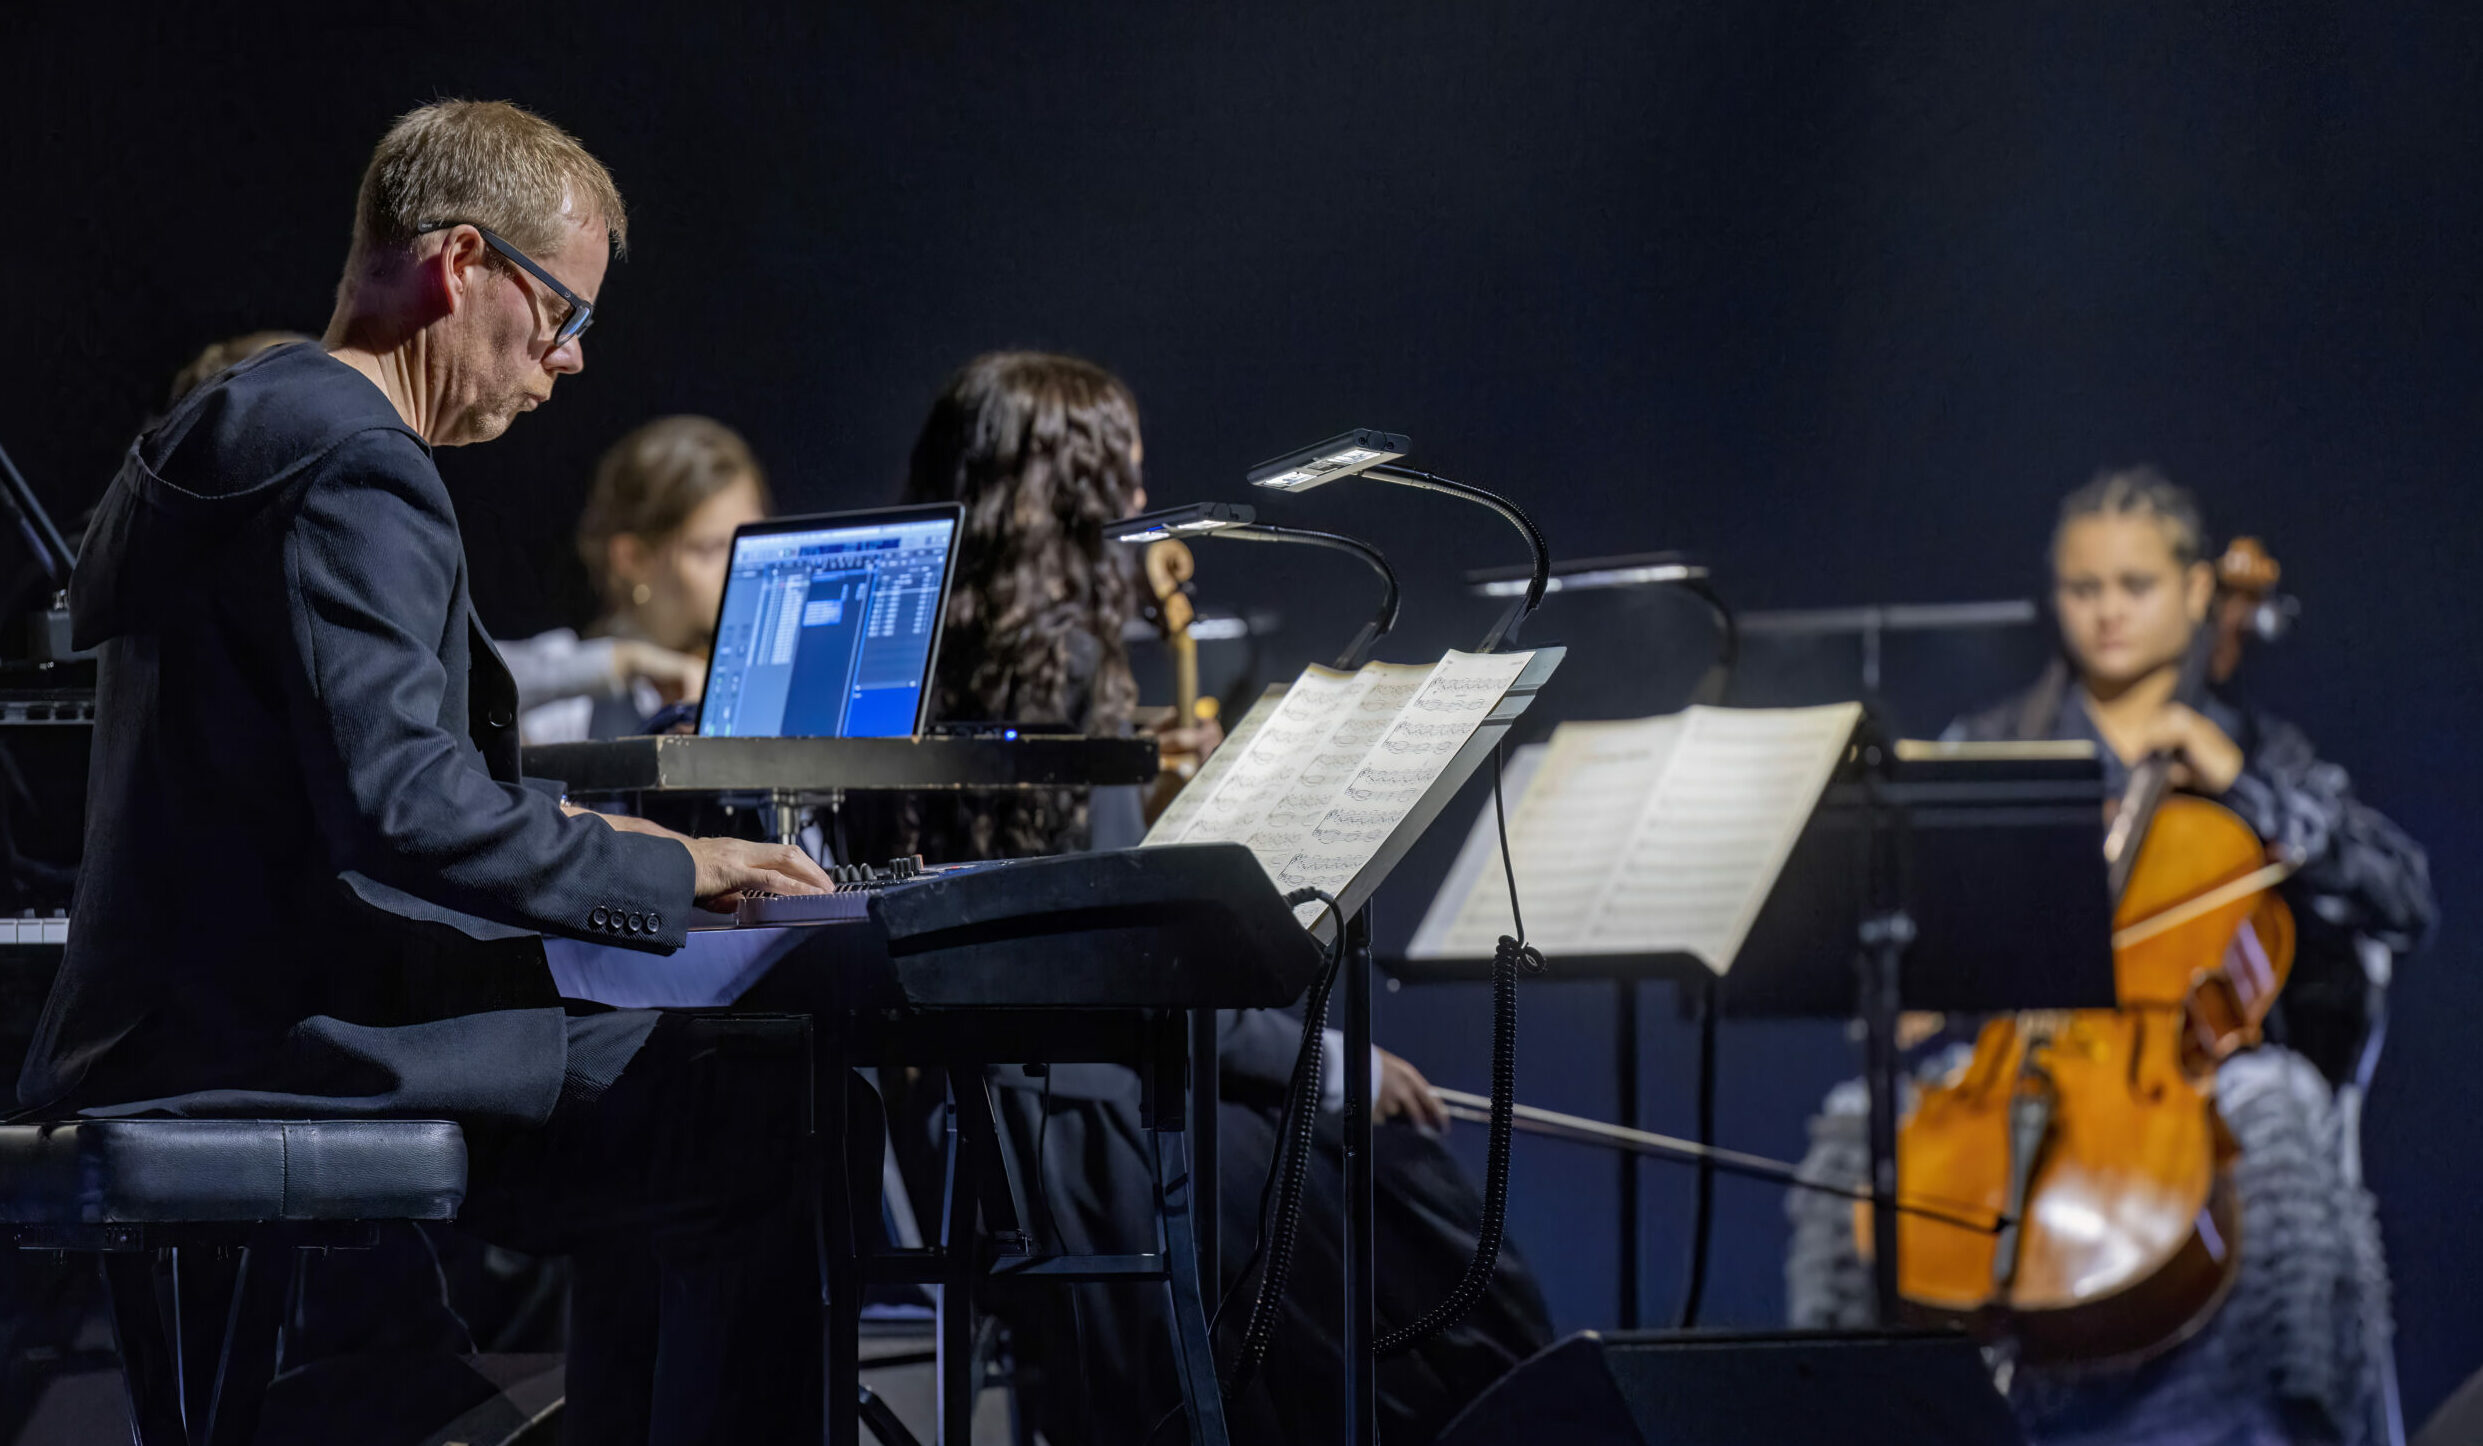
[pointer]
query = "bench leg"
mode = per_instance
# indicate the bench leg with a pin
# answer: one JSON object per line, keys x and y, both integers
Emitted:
{"x": 203, "y": 1282}
{"x": 148, "y": 1374}
{"x": 252, "y": 1322}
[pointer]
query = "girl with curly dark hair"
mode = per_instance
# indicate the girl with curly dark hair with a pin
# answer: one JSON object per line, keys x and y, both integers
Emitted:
{"x": 1044, "y": 454}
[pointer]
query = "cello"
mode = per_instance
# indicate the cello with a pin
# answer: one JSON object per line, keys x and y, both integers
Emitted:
{"x": 2090, "y": 1137}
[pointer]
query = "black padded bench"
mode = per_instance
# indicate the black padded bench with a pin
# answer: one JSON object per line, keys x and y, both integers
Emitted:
{"x": 196, "y": 1224}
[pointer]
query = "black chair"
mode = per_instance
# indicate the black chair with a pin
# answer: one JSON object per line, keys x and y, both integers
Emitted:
{"x": 196, "y": 1225}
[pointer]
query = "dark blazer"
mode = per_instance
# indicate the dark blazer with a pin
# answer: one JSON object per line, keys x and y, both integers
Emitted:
{"x": 312, "y": 881}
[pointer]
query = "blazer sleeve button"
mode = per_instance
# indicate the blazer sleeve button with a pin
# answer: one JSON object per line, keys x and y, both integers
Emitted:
{"x": 595, "y": 920}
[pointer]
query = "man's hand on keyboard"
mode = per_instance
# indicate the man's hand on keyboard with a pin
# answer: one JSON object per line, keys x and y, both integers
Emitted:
{"x": 730, "y": 867}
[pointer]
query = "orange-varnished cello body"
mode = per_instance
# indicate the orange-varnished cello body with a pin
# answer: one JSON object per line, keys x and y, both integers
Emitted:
{"x": 2095, "y": 1131}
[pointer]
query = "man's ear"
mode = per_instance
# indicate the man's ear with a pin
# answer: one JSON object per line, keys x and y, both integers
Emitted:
{"x": 450, "y": 278}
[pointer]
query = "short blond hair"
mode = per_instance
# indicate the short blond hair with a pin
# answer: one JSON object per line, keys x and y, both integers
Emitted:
{"x": 488, "y": 162}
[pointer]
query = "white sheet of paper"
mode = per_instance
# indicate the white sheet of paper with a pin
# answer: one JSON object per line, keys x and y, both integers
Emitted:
{"x": 1581, "y": 808}
{"x": 1381, "y": 693}
{"x": 1399, "y": 767}
{"x": 1270, "y": 759}
{"x": 1174, "y": 821}
{"x": 1654, "y": 835}
{"x": 1436, "y": 938}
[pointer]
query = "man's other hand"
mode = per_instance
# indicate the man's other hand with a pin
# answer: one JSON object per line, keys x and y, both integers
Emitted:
{"x": 730, "y": 867}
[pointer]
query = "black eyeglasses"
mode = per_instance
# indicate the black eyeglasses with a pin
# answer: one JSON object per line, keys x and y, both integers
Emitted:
{"x": 581, "y": 311}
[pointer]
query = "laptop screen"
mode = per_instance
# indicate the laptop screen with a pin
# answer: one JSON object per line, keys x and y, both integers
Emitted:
{"x": 830, "y": 626}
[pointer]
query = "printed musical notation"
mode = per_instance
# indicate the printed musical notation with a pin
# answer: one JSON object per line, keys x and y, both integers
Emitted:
{"x": 1647, "y": 836}
{"x": 1316, "y": 779}
{"x": 1178, "y": 815}
{"x": 1401, "y": 764}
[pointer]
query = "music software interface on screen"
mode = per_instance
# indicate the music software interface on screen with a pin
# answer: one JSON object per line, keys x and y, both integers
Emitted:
{"x": 827, "y": 634}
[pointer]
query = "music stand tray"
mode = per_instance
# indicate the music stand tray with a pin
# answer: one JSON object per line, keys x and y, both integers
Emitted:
{"x": 2000, "y": 867}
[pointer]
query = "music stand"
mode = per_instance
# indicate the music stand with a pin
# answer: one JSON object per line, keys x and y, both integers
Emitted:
{"x": 1966, "y": 879}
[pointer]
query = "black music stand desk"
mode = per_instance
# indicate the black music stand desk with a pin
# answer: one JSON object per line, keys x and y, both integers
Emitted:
{"x": 1957, "y": 879}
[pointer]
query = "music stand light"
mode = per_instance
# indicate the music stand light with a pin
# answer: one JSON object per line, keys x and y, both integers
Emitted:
{"x": 1239, "y": 522}
{"x": 1368, "y": 452}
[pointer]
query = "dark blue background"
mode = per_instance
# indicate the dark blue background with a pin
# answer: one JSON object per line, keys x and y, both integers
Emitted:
{"x": 1839, "y": 297}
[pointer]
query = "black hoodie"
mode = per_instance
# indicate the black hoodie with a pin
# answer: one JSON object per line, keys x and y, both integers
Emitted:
{"x": 312, "y": 882}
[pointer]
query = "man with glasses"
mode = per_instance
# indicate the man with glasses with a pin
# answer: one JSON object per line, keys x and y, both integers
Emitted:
{"x": 313, "y": 884}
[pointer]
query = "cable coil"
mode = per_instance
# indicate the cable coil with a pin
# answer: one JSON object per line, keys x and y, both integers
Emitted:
{"x": 1510, "y": 956}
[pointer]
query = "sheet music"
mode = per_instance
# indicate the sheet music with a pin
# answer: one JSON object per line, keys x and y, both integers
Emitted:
{"x": 1175, "y": 819}
{"x": 1269, "y": 760}
{"x": 1399, "y": 766}
{"x": 1285, "y": 829}
{"x": 1481, "y": 850}
{"x": 1578, "y": 813}
{"x": 1657, "y": 835}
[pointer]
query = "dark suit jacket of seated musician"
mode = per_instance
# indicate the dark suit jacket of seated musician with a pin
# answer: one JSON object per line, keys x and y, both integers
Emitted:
{"x": 313, "y": 879}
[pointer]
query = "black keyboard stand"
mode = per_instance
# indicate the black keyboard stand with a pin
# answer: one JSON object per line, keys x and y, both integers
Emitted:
{"x": 1120, "y": 958}
{"x": 985, "y": 1228}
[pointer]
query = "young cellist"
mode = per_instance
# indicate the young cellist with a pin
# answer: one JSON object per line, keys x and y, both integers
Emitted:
{"x": 2297, "y": 1352}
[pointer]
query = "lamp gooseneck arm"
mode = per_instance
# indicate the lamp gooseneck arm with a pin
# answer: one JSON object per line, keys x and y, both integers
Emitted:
{"x": 1506, "y": 629}
{"x": 1382, "y": 621}
{"x": 1718, "y": 681}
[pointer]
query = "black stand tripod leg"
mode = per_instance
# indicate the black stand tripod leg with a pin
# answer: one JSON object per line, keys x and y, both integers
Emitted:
{"x": 971, "y": 1131}
{"x": 840, "y": 1262}
{"x": 883, "y": 1421}
{"x": 1361, "y": 1318}
{"x": 1884, "y": 938}
{"x": 1625, "y": 1114}
{"x": 1202, "y": 1398}
{"x": 1204, "y": 1161}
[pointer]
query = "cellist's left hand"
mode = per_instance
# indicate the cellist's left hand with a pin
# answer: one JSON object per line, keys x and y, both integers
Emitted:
{"x": 2205, "y": 759}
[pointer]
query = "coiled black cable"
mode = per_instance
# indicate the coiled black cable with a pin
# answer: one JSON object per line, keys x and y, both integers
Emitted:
{"x": 1508, "y": 957}
{"x": 1291, "y": 1165}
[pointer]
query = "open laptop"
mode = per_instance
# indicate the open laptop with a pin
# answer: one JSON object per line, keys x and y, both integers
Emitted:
{"x": 830, "y": 625}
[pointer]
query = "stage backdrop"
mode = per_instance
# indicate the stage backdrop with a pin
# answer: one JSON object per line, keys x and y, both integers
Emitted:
{"x": 1839, "y": 301}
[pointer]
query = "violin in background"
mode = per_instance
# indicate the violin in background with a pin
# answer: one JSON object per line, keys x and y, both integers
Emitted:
{"x": 1189, "y": 730}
